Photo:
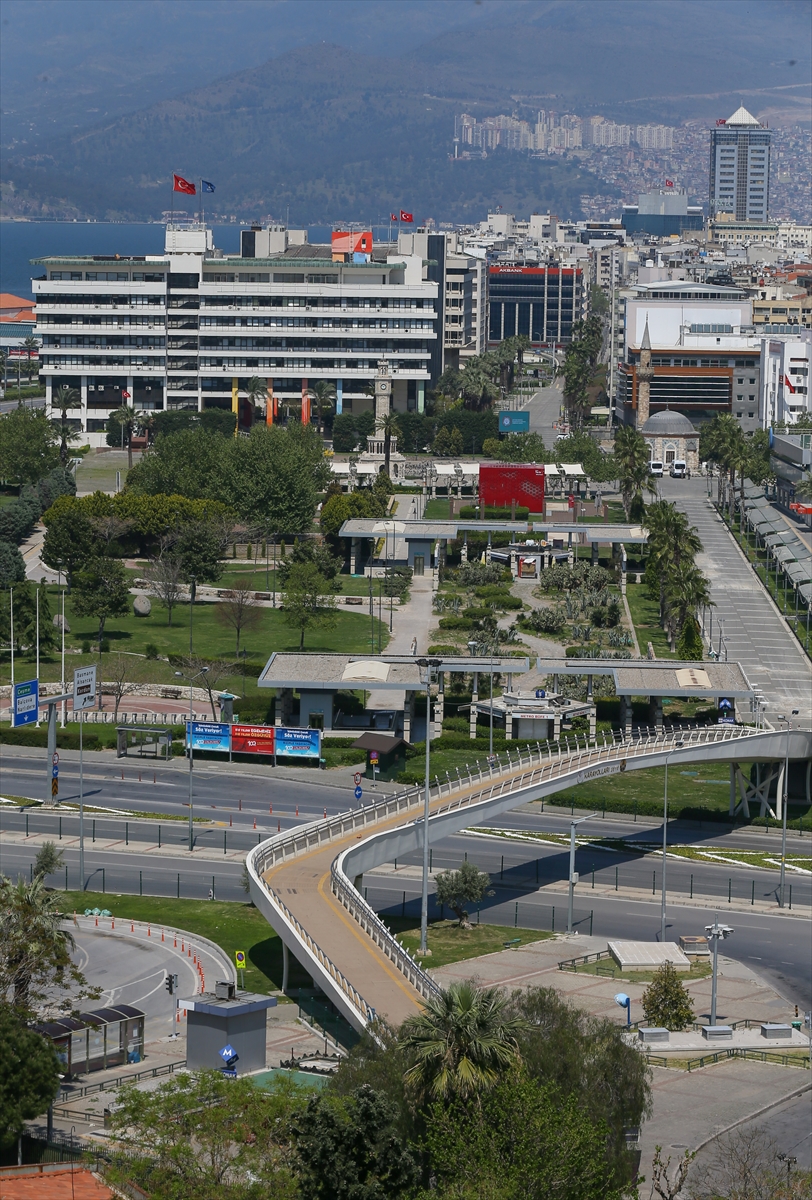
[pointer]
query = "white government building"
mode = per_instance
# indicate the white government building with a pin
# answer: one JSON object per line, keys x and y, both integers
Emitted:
{"x": 187, "y": 329}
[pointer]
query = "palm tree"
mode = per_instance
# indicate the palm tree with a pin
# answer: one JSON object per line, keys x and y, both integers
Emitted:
{"x": 324, "y": 394}
{"x": 685, "y": 593}
{"x": 633, "y": 463}
{"x": 257, "y": 389}
{"x": 672, "y": 546}
{"x": 34, "y": 948}
{"x": 462, "y": 1041}
{"x": 146, "y": 424}
{"x": 127, "y": 419}
{"x": 30, "y": 344}
{"x": 64, "y": 399}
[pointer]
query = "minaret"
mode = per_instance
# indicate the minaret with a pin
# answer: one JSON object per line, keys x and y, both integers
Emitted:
{"x": 645, "y": 374}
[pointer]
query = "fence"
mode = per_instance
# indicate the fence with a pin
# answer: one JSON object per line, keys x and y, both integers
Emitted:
{"x": 708, "y": 1060}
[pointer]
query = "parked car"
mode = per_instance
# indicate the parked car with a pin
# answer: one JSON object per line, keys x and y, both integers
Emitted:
{"x": 656, "y": 469}
{"x": 679, "y": 469}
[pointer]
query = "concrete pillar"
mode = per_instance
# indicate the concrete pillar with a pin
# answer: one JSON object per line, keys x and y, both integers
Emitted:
{"x": 408, "y": 716}
{"x": 656, "y": 710}
{"x": 508, "y": 725}
{"x": 354, "y": 549}
{"x": 546, "y": 559}
{"x": 595, "y": 549}
{"x": 625, "y": 715}
{"x": 779, "y": 794}
{"x": 439, "y": 705}
{"x": 488, "y": 550}
{"x": 421, "y": 395}
{"x": 732, "y": 808}
{"x": 339, "y": 397}
{"x": 464, "y": 551}
{"x": 556, "y": 727}
{"x": 83, "y": 394}
{"x": 623, "y": 561}
{"x": 589, "y": 687}
{"x": 555, "y": 684}
{"x": 513, "y": 568}
{"x": 474, "y": 700}
{"x": 593, "y": 725}
{"x": 285, "y": 967}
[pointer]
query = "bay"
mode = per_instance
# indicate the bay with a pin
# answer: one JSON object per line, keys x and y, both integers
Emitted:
{"x": 21, "y": 241}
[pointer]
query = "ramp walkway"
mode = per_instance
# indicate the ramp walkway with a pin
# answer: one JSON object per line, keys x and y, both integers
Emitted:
{"x": 303, "y": 881}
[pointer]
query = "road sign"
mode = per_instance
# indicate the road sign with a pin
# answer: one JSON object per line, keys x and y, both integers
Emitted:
{"x": 229, "y": 1055}
{"x": 357, "y": 778}
{"x": 54, "y": 772}
{"x": 84, "y": 688}
{"x": 239, "y": 958}
{"x": 229, "y": 1074}
{"x": 54, "y": 787}
{"x": 55, "y": 758}
{"x": 359, "y": 791}
{"x": 25, "y": 703}
{"x": 373, "y": 756}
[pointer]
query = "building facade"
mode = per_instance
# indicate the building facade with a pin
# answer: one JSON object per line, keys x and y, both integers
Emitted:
{"x": 542, "y": 303}
{"x": 188, "y": 329}
{"x": 740, "y": 168}
{"x": 785, "y": 366}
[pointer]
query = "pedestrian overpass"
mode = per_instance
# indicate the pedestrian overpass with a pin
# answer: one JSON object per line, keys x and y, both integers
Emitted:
{"x": 303, "y": 881}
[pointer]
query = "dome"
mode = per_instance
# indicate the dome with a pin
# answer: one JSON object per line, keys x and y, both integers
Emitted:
{"x": 668, "y": 424}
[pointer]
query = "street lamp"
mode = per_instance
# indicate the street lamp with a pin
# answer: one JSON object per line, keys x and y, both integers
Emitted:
{"x": 676, "y": 746}
{"x": 190, "y": 680}
{"x": 575, "y": 821}
{"x": 428, "y": 664}
{"x": 714, "y": 932}
{"x": 784, "y": 807}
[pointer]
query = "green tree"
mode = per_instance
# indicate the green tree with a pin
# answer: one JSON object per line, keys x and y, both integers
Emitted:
{"x": 198, "y": 547}
{"x": 30, "y": 345}
{"x": 339, "y": 509}
{"x": 64, "y": 400}
{"x": 803, "y": 490}
{"x": 272, "y": 477}
{"x": 323, "y": 395}
{"x": 345, "y": 434}
{"x": 25, "y": 618}
{"x": 49, "y": 860}
{"x": 599, "y": 301}
{"x": 70, "y": 539}
{"x": 308, "y": 600}
{"x": 28, "y": 448}
{"x": 348, "y": 1148}
{"x": 29, "y": 1074}
{"x": 689, "y": 643}
{"x": 632, "y": 465}
{"x": 257, "y": 391}
{"x": 102, "y": 591}
{"x": 468, "y": 885}
{"x": 666, "y": 1001}
{"x": 36, "y": 968}
{"x": 121, "y": 427}
{"x": 219, "y": 421}
{"x": 461, "y": 1043}
{"x": 12, "y": 565}
{"x": 181, "y": 463}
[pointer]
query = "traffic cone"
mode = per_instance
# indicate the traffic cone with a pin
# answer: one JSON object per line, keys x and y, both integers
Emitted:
{"x": 255, "y": 822}
{"x": 178, "y": 1016}
{"x": 163, "y": 939}
{"x": 297, "y": 810}
{"x": 149, "y": 931}
{"x": 278, "y": 826}
{"x": 182, "y": 945}
{"x": 325, "y": 813}
{"x": 270, "y": 809}
{"x": 132, "y": 927}
{"x": 113, "y": 923}
{"x": 97, "y": 922}
{"x": 175, "y": 943}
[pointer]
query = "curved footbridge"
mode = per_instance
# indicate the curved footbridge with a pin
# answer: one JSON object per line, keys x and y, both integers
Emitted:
{"x": 303, "y": 881}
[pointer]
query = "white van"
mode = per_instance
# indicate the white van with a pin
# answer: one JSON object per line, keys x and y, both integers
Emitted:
{"x": 656, "y": 469}
{"x": 679, "y": 468}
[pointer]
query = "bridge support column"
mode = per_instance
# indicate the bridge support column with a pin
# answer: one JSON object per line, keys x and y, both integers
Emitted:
{"x": 595, "y": 549}
{"x": 656, "y": 710}
{"x": 626, "y": 715}
{"x": 508, "y": 725}
{"x": 758, "y": 792}
{"x": 473, "y": 714}
{"x": 285, "y": 967}
{"x": 408, "y": 716}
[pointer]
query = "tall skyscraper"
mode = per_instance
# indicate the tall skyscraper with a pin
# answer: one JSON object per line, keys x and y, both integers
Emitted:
{"x": 740, "y": 168}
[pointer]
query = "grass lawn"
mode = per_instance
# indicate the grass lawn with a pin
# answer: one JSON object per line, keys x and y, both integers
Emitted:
{"x": 645, "y": 614}
{"x": 708, "y": 787}
{"x": 231, "y": 926}
{"x": 438, "y": 509}
{"x": 607, "y": 966}
{"x": 97, "y": 472}
{"x": 448, "y": 943}
{"x": 211, "y": 638}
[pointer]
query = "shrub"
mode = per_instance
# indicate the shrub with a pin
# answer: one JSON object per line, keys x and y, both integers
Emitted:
{"x": 151, "y": 650}
{"x": 666, "y": 1001}
{"x": 543, "y": 620}
{"x": 612, "y": 614}
{"x": 85, "y": 646}
{"x": 473, "y": 574}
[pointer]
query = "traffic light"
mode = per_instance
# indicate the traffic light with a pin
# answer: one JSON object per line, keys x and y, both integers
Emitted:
{"x": 171, "y": 983}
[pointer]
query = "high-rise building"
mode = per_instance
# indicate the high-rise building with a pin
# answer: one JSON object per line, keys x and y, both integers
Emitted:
{"x": 740, "y": 168}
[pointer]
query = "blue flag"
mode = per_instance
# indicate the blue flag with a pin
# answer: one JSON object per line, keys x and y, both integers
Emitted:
{"x": 206, "y": 186}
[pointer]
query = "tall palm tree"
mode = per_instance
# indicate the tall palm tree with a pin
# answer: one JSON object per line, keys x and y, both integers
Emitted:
{"x": 64, "y": 399}
{"x": 461, "y": 1042}
{"x": 30, "y": 344}
{"x": 127, "y": 419}
{"x": 257, "y": 389}
{"x": 685, "y": 594}
{"x": 672, "y": 545}
{"x": 633, "y": 465}
{"x": 324, "y": 394}
{"x": 34, "y": 948}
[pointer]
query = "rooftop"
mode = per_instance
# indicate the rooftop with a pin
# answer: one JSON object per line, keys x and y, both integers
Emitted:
{"x": 345, "y": 672}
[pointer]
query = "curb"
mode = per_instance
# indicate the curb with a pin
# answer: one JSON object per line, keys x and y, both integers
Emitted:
{"x": 216, "y": 952}
{"x": 799, "y": 1091}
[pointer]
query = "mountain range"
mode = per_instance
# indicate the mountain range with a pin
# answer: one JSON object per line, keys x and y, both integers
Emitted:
{"x": 350, "y": 128}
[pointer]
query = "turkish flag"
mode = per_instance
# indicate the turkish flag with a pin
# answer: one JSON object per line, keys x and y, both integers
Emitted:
{"x": 393, "y": 216}
{"x": 183, "y": 185}
{"x": 669, "y": 183}
{"x": 404, "y": 216}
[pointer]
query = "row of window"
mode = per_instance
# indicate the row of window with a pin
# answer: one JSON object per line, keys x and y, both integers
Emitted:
{"x": 337, "y": 323}
{"x": 107, "y": 276}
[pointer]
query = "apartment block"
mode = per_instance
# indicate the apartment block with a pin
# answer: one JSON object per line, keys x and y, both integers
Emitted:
{"x": 740, "y": 168}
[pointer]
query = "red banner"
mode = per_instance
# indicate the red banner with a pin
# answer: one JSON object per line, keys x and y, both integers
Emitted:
{"x": 252, "y": 739}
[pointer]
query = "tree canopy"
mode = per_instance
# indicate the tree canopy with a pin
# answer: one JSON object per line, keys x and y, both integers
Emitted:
{"x": 29, "y": 1074}
{"x": 29, "y": 445}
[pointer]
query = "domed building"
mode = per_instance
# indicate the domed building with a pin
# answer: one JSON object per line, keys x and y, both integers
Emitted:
{"x": 671, "y": 436}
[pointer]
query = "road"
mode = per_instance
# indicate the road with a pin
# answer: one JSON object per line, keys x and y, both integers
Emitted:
{"x": 10, "y": 403}
{"x": 754, "y": 632}
{"x": 544, "y": 407}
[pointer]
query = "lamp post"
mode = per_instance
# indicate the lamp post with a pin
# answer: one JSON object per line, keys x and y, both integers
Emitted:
{"x": 428, "y": 664}
{"x": 676, "y": 746}
{"x": 575, "y": 821}
{"x": 190, "y": 680}
{"x": 714, "y": 932}
{"x": 192, "y": 582}
{"x": 784, "y": 807}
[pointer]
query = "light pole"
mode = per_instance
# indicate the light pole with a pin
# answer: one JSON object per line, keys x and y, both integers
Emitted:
{"x": 428, "y": 664}
{"x": 190, "y": 680}
{"x": 676, "y": 746}
{"x": 715, "y": 932}
{"x": 575, "y": 821}
{"x": 784, "y": 807}
{"x": 192, "y": 582}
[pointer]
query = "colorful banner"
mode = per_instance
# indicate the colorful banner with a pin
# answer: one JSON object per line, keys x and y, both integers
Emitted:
{"x": 252, "y": 739}
{"x": 209, "y": 735}
{"x": 511, "y": 421}
{"x": 298, "y": 743}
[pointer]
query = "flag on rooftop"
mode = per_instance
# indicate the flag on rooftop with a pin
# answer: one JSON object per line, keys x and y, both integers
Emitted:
{"x": 205, "y": 186}
{"x": 404, "y": 216}
{"x": 183, "y": 185}
{"x": 393, "y": 216}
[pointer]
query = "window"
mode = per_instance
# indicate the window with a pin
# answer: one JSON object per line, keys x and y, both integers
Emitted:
{"x": 279, "y": 277}
{"x": 252, "y": 277}
{"x": 218, "y": 278}
{"x": 146, "y": 277}
{"x": 321, "y": 278}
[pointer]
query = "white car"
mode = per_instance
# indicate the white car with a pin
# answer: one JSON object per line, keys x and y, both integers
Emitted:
{"x": 679, "y": 469}
{"x": 656, "y": 469}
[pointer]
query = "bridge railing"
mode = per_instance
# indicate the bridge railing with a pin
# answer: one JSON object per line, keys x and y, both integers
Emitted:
{"x": 516, "y": 771}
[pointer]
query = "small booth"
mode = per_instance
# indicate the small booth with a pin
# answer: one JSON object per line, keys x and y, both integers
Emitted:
{"x": 94, "y": 1041}
{"x": 228, "y": 1020}
{"x": 386, "y": 755}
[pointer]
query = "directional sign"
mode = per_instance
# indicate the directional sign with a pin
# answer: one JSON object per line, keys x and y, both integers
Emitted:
{"x": 25, "y": 703}
{"x": 84, "y": 688}
{"x": 359, "y": 791}
{"x": 54, "y": 772}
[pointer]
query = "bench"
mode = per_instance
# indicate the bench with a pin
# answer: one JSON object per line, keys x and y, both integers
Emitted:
{"x": 511, "y": 945}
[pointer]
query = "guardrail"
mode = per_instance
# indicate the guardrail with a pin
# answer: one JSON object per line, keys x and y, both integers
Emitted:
{"x": 91, "y": 1089}
{"x": 708, "y": 1060}
{"x": 572, "y": 964}
{"x": 518, "y": 773}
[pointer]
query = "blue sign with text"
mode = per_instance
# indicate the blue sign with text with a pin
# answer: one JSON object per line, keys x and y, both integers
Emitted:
{"x": 514, "y": 422}
{"x": 25, "y": 705}
{"x": 209, "y": 735}
{"x": 299, "y": 743}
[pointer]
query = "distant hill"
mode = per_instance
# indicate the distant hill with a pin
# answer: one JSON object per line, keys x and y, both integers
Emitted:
{"x": 331, "y": 133}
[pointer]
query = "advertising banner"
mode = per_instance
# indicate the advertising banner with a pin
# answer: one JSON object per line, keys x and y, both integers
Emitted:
{"x": 26, "y": 702}
{"x": 252, "y": 739}
{"x": 299, "y": 743}
{"x": 514, "y": 422}
{"x": 209, "y": 735}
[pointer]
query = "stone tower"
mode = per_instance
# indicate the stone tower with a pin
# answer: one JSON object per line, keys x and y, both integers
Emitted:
{"x": 383, "y": 406}
{"x": 645, "y": 374}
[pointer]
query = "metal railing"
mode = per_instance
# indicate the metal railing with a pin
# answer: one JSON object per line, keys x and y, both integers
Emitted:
{"x": 503, "y": 776}
{"x": 66, "y": 1095}
{"x": 708, "y": 1060}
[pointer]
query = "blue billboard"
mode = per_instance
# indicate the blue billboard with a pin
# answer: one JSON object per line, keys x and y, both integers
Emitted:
{"x": 514, "y": 422}
{"x": 25, "y": 703}
{"x": 209, "y": 735}
{"x": 299, "y": 743}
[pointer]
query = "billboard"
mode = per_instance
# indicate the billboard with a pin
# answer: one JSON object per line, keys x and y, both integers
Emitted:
{"x": 299, "y": 743}
{"x": 514, "y": 422}
{"x": 209, "y": 735}
{"x": 252, "y": 739}
{"x": 25, "y": 704}
{"x": 501, "y": 484}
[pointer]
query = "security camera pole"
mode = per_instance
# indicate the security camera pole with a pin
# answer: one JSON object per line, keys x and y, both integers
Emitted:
{"x": 190, "y": 680}
{"x": 573, "y": 878}
{"x": 714, "y": 932}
